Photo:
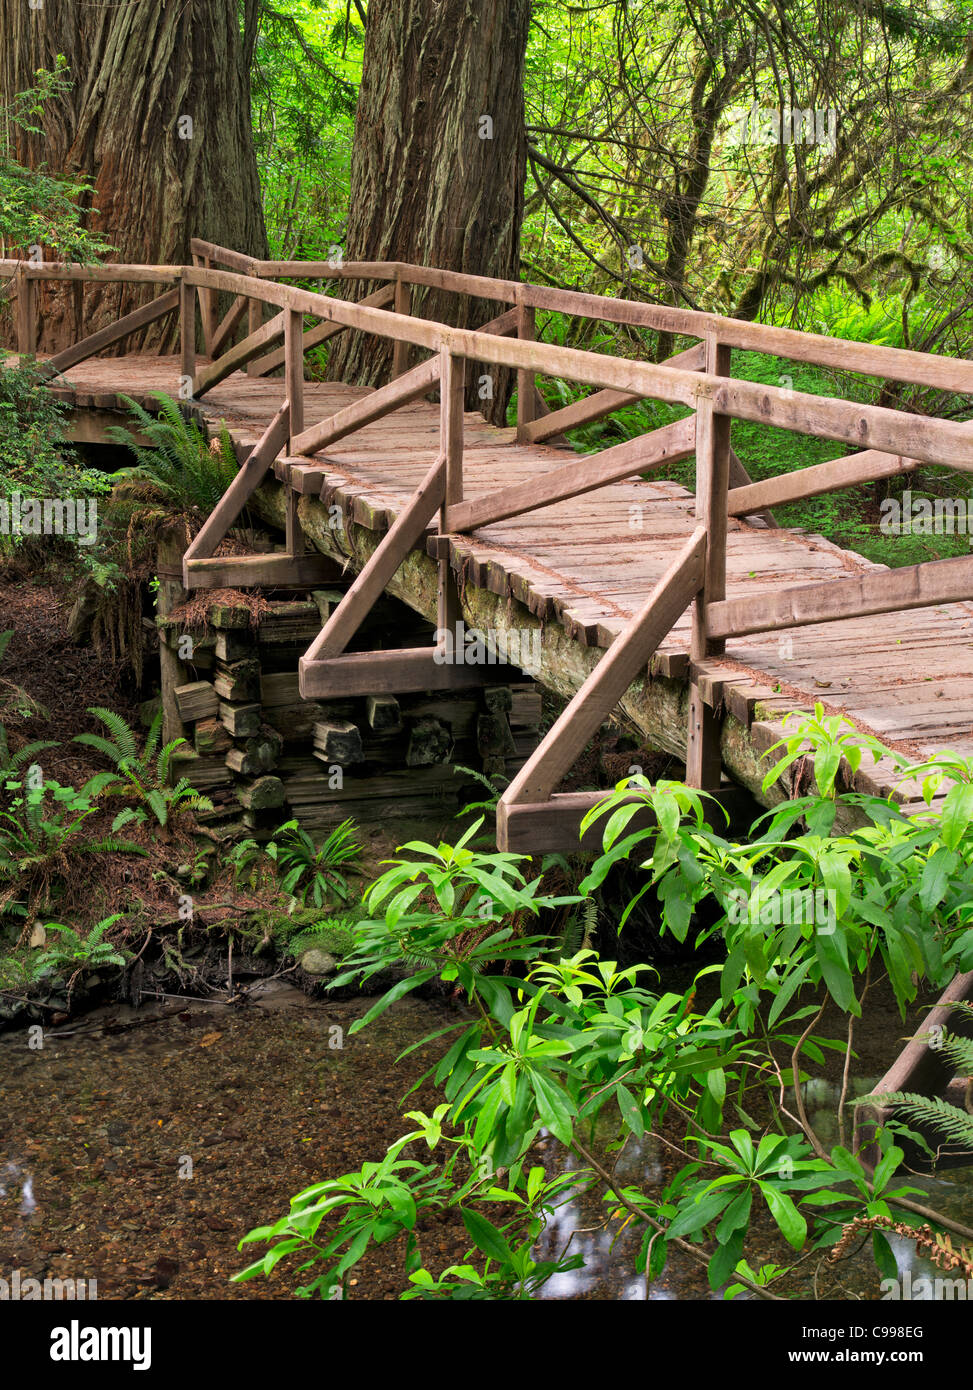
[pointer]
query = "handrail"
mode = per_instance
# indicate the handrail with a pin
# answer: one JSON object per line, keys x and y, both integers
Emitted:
{"x": 869, "y": 359}
{"x": 934, "y": 441}
{"x": 700, "y": 379}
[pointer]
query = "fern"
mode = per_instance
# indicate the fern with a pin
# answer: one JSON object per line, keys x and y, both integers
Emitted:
{"x": 955, "y": 1124}
{"x": 494, "y": 792}
{"x": 959, "y": 1051}
{"x": 148, "y": 783}
{"x": 11, "y": 763}
{"x": 122, "y": 747}
{"x": 180, "y": 469}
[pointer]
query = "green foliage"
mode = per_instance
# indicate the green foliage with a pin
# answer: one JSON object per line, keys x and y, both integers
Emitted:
{"x": 304, "y": 83}
{"x": 332, "y": 934}
{"x": 35, "y": 462}
{"x": 145, "y": 775}
{"x": 71, "y": 954}
{"x": 311, "y": 873}
{"x": 42, "y": 832}
{"x": 178, "y": 472}
{"x": 39, "y": 208}
{"x": 76, "y": 952}
{"x": 567, "y": 1043}
{"x": 493, "y": 792}
{"x": 955, "y": 1124}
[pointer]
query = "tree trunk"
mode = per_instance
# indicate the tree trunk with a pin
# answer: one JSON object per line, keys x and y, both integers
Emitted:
{"x": 139, "y": 70}
{"x": 438, "y": 164}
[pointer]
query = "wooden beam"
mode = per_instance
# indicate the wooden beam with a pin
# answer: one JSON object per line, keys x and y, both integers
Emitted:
{"x": 394, "y": 546}
{"x": 898, "y": 364}
{"x": 554, "y": 826}
{"x": 502, "y": 325}
{"x": 109, "y": 274}
{"x": 451, "y": 395}
{"x": 402, "y": 304}
{"x": 237, "y": 357}
{"x": 942, "y": 442}
{"x": 626, "y": 657}
{"x": 739, "y": 477}
{"x": 525, "y": 376}
{"x": 584, "y": 474}
{"x": 405, "y": 671}
{"x": 236, "y": 260}
{"x": 255, "y": 318}
{"x": 602, "y": 403}
{"x": 294, "y": 369}
{"x": 246, "y": 482}
{"x": 228, "y": 325}
{"x": 320, "y": 333}
{"x": 452, "y": 390}
{"x": 265, "y": 571}
{"x": 296, "y": 541}
{"x": 26, "y": 315}
{"x": 703, "y": 765}
{"x": 850, "y": 471}
{"x": 138, "y": 318}
{"x": 207, "y": 308}
{"x": 878, "y": 591}
{"x": 371, "y": 407}
{"x": 187, "y": 331}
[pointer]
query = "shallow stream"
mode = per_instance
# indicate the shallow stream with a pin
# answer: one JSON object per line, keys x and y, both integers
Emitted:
{"x": 138, "y": 1146}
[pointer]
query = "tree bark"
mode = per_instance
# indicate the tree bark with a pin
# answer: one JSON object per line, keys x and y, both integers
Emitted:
{"x": 438, "y": 163}
{"x": 139, "y": 69}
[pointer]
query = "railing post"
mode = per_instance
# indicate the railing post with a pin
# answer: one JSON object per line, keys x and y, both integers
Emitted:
{"x": 703, "y": 762}
{"x": 187, "y": 329}
{"x": 294, "y": 395}
{"x": 294, "y": 369}
{"x": 402, "y": 304}
{"x": 26, "y": 313}
{"x": 207, "y": 307}
{"x": 526, "y": 406}
{"x": 452, "y": 389}
{"x": 255, "y": 318}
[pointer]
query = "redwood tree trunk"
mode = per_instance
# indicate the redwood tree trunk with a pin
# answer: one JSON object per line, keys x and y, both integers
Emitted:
{"x": 437, "y": 171}
{"x": 138, "y": 70}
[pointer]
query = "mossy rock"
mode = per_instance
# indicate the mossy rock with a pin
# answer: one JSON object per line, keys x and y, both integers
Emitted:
{"x": 315, "y": 926}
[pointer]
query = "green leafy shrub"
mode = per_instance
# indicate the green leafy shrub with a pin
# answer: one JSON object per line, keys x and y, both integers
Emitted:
{"x": 35, "y": 460}
{"x": 574, "y": 1042}
{"x": 37, "y": 207}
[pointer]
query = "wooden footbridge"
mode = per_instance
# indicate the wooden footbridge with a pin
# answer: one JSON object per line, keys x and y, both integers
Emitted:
{"x": 697, "y": 614}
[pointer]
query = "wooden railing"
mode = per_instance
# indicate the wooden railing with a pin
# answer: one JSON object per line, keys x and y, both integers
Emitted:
{"x": 889, "y": 442}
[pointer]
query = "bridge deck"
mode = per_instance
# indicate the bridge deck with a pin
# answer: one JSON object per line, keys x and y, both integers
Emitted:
{"x": 907, "y": 676}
